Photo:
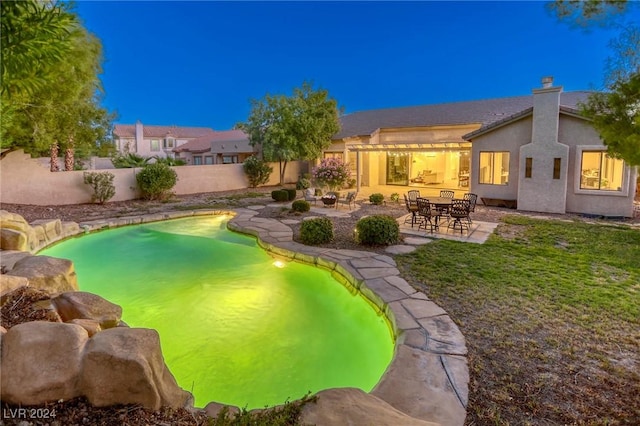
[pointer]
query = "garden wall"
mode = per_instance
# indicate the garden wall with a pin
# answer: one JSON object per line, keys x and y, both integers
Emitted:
{"x": 24, "y": 180}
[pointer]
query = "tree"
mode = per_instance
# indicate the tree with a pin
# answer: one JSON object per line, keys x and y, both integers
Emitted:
{"x": 616, "y": 116}
{"x": 615, "y": 112}
{"x": 297, "y": 127}
{"x": 50, "y": 86}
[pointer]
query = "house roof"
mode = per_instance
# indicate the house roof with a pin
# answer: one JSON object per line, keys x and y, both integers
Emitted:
{"x": 484, "y": 112}
{"x": 129, "y": 131}
{"x": 228, "y": 141}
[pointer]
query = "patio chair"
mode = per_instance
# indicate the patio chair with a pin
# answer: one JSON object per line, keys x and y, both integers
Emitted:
{"x": 310, "y": 195}
{"x": 473, "y": 198}
{"x": 459, "y": 212}
{"x": 412, "y": 209}
{"x": 427, "y": 215}
{"x": 413, "y": 195}
{"x": 349, "y": 199}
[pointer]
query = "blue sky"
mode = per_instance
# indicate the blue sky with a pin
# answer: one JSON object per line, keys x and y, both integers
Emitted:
{"x": 200, "y": 63}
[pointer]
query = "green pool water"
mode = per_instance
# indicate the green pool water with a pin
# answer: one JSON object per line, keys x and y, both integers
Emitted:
{"x": 236, "y": 326}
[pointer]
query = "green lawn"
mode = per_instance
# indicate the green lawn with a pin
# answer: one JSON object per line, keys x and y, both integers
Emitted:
{"x": 551, "y": 314}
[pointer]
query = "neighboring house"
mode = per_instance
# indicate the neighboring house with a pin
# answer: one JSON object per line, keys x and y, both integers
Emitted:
{"x": 149, "y": 141}
{"x": 534, "y": 151}
{"x": 225, "y": 147}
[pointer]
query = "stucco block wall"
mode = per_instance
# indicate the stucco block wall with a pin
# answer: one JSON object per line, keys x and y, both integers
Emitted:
{"x": 26, "y": 181}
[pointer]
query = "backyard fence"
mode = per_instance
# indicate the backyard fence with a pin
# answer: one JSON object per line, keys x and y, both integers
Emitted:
{"x": 26, "y": 180}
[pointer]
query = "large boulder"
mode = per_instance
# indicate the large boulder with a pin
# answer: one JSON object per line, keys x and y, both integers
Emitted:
{"x": 16, "y": 233}
{"x": 43, "y": 362}
{"x": 125, "y": 366}
{"x": 8, "y": 258}
{"x": 354, "y": 407}
{"x": 82, "y": 305}
{"x": 47, "y": 273}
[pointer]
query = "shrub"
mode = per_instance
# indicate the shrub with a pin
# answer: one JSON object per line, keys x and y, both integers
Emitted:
{"x": 291, "y": 193}
{"x": 376, "y": 198}
{"x": 280, "y": 195}
{"x": 377, "y": 230}
{"x": 303, "y": 183}
{"x": 395, "y": 197}
{"x": 129, "y": 161}
{"x": 102, "y": 184}
{"x": 316, "y": 231}
{"x": 332, "y": 173}
{"x": 257, "y": 171}
{"x": 156, "y": 181}
{"x": 300, "y": 206}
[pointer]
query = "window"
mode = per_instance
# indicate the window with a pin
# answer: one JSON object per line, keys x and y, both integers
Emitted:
{"x": 598, "y": 171}
{"x": 229, "y": 159}
{"x": 528, "y": 163}
{"x": 494, "y": 168}
{"x": 556, "y": 167}
{"x": 155, "y": 145}
{"x": 168, "y": 143}
{"x": 338, "y": 155}
{"x": 197, "y": 160}
{"x": 208, "y": 159}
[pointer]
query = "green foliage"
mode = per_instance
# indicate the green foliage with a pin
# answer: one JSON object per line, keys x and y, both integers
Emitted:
{"x": 102, "y": 184}
{"x": 616, "y": 116}
{"x": 316, "y": 231}
{"x": 129, "y": 161}
{"x": 170, "y": 161}
{"x": 51, "y": 92}
{"x": 156, "y": 181}
{"x": 280, "y": 195}
{"x": 257, "y": 171}
{"x": 395, "y": 197}
{"x": 297, "y": 127}
{"x": 291, "y": 194}
{"x": 303, "y": 183}
{"x": 377, "y": 230}
{"x": 376, "y": 198}
{"x": 300, "y": 206}
{"x": 586, "y": 12}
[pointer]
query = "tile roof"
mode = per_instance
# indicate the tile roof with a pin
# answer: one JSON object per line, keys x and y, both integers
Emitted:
{"x": 129, "y": 131}
{"x": 483, "y": 112}
{"x": 228, "y": 141}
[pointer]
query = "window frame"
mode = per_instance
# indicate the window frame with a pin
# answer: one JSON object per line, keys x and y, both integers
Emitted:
{"x": 151, "y": 145}
{"x": 626, "y": 174}
{"x": 493, "y": 165}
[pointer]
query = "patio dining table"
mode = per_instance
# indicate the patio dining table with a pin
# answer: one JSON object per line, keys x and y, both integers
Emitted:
{"x": 441, "y": 203}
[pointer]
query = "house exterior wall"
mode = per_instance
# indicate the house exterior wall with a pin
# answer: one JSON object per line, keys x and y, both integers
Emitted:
{"x": 510, "y": 139}
{"x": 26, "y": 181}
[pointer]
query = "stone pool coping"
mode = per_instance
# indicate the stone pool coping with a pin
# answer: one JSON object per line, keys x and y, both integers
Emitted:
{"x": 428, "y": 376}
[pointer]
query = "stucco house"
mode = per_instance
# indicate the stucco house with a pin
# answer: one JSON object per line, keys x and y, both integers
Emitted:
{"x": 149, "y": 141}
{"x": 535, "y": 152}
{"x": 224, "y": 147}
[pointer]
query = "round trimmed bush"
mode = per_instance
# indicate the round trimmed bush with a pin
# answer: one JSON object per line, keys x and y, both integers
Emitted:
{"x": 300, "y": 206}
{"x": 156, "y": 181}
{"x": 377, "y": 230}
{"x": 280, "y": 195}
{"x": 376, "y": 199}
{"x": 316, "y": 231}
{"x": 291, "y": 193}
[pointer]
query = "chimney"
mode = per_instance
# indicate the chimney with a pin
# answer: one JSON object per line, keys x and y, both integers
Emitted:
{"x": 546, "y": 110}
{"x": 139, "y": 135}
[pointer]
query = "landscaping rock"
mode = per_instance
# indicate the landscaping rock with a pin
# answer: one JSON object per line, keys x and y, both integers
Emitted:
{"x": 9, "y": 283}
{"x": 15, "y": 232}
{"x": 44, "y": 361}
{"x": 82, "y": 305}
{"x": 8, "y": 258}
{"x": 11, "y": 239}
{"x": 47, "y": 273}
{"x": 349, "y": 406}
{"x": 125, "y": 366}
{"x": 92, "y": 326}
{"x": 213, "y": 410}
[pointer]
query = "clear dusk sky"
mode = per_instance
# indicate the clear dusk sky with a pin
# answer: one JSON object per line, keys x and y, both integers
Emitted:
{"x": 200, "y": 63}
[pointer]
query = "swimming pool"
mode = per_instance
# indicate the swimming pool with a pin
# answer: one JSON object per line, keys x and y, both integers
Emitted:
{"x": 236, "y": 326}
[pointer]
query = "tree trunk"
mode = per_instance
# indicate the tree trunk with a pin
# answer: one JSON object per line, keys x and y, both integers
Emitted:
{"x": 69, "y": 159}
{"x": 53, "y": 162}
{"x": 283, "y": 168}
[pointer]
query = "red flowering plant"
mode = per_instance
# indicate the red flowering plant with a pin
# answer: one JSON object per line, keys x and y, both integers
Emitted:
{"x": 331, "y": 173}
